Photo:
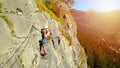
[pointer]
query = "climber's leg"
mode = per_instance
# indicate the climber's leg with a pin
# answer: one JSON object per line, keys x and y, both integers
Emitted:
{"x": 44, "y": 49}
{"x": 45, "y": 41}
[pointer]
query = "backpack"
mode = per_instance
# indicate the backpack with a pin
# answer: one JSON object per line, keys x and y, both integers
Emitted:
{"x": 42, "y": 33}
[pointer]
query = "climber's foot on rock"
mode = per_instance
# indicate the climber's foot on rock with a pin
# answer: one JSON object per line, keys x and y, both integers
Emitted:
{"x": 44, "y": 56}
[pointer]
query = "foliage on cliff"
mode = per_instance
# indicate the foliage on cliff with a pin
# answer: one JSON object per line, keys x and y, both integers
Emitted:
{"x": 41, "y": 6}
{"x": 9, "y": 23}
{"x": 50, "y": 5}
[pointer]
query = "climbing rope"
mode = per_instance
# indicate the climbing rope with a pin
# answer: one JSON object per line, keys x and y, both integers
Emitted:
{"x": 26, "y": 39}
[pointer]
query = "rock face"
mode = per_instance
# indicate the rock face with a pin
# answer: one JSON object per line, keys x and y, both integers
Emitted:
{"x": 20, "y": 25}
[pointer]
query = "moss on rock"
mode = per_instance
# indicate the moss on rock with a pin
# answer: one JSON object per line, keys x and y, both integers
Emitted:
{"x": 9, "y": 23}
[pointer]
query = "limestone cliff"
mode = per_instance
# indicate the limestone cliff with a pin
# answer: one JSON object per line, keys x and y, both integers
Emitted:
{"x": 20, "y": 25}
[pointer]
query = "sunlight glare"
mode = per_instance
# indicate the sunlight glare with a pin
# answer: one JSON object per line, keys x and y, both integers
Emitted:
{"x": 108, "y": 5}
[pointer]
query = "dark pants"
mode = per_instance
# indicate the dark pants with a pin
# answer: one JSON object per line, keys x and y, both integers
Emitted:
{"x": 40, "y": 44}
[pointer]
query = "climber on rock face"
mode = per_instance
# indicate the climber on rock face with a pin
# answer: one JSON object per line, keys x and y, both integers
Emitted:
{"x": 45, "y": 35}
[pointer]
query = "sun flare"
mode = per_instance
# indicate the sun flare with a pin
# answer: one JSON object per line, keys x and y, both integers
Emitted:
{"x": 98, "y": 5}
{"x": 108, "y": 5}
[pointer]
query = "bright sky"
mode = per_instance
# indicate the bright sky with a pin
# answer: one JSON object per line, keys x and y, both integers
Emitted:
{"x": 98, "y": 5}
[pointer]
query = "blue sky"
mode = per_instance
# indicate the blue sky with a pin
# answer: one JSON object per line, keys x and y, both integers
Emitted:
{"x": 98, "y": 5}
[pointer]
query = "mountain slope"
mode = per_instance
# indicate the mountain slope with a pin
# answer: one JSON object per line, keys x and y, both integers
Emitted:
{"x": 98, "y": 38}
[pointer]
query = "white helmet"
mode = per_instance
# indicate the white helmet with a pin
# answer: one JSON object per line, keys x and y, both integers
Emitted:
{"x": 45, "y": 27}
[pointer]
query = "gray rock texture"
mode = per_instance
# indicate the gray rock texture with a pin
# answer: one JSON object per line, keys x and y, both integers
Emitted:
{"x": 20, "y": 35}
